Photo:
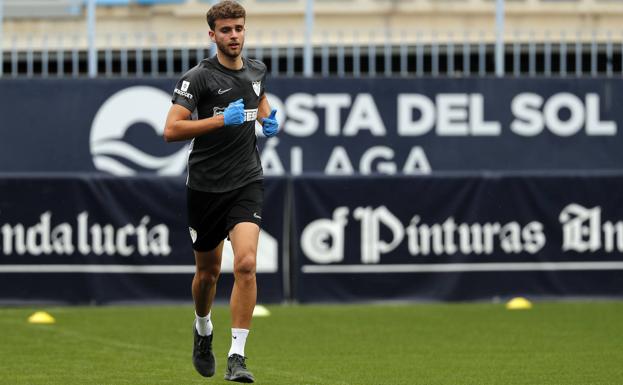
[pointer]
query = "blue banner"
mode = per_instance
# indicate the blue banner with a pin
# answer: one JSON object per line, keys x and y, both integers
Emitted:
{"x": 457, "y": 238}
{"x": 86, "y": 239}
{"x": 101, "y": 239}
{"x": 334, "y": 127}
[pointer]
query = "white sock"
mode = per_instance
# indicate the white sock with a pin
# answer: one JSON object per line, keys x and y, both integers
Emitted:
{"x": 204, "y": 325}
{"x": 238, "y": 339}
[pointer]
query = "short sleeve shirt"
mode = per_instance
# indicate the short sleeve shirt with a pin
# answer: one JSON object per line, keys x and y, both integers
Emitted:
{"x": 226, "y": 158}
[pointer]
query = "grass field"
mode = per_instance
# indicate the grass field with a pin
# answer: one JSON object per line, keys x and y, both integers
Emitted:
{"x": 554, "y": 343}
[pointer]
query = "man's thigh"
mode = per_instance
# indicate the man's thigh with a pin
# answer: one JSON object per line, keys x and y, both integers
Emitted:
{"x": 208, "y": 260}
{"x": 244, "y": 238}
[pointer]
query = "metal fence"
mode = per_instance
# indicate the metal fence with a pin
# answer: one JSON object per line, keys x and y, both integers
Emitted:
{"x": 340, "y": 53}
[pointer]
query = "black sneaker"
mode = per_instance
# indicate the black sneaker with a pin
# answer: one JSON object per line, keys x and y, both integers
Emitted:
{"x": 203, "y": 358}
{"x": 237, "y": 370}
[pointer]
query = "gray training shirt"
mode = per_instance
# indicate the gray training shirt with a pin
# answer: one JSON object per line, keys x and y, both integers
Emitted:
{"x": 226, "y": 158}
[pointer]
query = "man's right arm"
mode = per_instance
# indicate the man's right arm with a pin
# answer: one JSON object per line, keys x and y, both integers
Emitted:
{"x": 178, "y": 127}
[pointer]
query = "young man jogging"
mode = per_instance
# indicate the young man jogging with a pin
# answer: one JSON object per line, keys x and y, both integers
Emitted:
{"x": 216, "y": 104}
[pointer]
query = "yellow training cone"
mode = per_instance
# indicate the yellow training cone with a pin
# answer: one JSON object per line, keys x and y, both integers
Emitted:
{"x": 260, "y": 311}
{"x": 518, "y": 303}
{"x": 41, "y": 317}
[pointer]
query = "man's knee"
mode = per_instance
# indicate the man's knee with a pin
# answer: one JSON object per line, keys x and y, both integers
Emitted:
{"x": 208, "y": 275}
{"x": 245, "y": 266}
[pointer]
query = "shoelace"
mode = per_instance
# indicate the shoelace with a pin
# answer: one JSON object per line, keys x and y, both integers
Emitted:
{"x": 204, "y": 344}
{"x": 240, "y": 360}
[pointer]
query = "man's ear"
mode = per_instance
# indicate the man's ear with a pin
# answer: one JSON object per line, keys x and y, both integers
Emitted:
{"x": 211, "y": 34}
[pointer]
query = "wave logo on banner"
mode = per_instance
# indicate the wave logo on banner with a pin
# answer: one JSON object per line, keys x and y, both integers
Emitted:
{"x": 133, "y": 105}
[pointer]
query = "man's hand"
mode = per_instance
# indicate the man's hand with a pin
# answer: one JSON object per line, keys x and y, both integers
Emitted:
{"x": 270, "y": 126}
{"x": 234, "y": 113}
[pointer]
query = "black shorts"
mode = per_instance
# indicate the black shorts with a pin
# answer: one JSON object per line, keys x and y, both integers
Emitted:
{"x": 212, "y": 215}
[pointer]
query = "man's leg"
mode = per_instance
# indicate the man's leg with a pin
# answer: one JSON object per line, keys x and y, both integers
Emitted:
{"x": 244, "y": 237}
{"x": 208, "y": 268}
{"x": 207, "y": 271}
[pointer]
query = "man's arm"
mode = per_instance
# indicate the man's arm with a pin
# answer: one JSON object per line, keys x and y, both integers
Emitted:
{"x": 267, "y": 118}
{"x": 263, "y": 109}
{"x": 178, "y": 127}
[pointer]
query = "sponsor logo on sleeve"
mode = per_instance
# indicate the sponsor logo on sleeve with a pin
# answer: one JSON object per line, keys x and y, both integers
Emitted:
{"x": 183, "y": 93}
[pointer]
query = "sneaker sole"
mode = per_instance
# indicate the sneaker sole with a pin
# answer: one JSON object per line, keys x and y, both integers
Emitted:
{"x": 244, "y": 379}
{"x": 203, "y": 373}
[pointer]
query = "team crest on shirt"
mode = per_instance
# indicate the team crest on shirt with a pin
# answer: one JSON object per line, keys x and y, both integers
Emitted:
{"x": 193, "y": 234}
{"x": 257, "y": 86}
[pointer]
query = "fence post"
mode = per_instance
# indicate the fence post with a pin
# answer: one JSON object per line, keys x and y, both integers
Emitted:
{"x": 499, "y": 38}
{"x": 1, "y": 37}
{"x": 91, "y": 38}
{"x": 308, "y": 54}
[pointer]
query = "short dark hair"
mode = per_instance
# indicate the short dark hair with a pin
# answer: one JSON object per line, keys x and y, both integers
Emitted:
{"x": 225, "y": 10}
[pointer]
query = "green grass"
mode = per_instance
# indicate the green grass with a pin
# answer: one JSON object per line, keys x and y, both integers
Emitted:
{"x": 554, "y": 343}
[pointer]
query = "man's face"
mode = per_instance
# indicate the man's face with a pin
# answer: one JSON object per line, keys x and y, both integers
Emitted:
{"x": 228, "y": 35}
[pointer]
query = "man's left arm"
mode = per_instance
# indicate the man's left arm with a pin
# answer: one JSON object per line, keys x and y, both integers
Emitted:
{"x": 263, "y": 108}
{"x": 267, "y": 118}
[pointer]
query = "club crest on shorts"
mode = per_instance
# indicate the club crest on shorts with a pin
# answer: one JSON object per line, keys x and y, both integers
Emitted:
{"x": 193, "y": 234}
{"x": 257, "y": 86}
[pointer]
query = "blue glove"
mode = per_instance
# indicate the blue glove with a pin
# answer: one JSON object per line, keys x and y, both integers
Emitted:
{"x": 234, "y": 113}
{"x": 270, "y": 126}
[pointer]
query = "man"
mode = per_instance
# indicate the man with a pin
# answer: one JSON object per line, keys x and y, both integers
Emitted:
{"x": 224, "y": 95}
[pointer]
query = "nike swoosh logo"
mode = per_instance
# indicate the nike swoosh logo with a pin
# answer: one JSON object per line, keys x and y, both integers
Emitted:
{"x": 256, "y": 216}
{"x": 221, "y": 92}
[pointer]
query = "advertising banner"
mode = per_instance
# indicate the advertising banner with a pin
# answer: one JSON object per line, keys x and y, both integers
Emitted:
{"x": 86, "y": 239}
{"x": 457, "y": 238}
{"x": 101, "y": 239}
{"x": 329, "y": 126}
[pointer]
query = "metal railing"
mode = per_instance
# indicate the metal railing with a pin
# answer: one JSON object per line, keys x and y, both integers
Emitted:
{"x": 342, "y": 53}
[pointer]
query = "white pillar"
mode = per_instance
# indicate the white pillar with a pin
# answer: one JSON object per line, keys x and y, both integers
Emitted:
{"x": 1, "y": 38}
{"x": 499, "y": 38}
{"x": 308, "y": 53}
{"x": 212, "y": 45}
{"x": 92, "y": 52}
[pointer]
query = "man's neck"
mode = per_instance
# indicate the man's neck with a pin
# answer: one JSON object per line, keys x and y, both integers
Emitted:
{"x": 229, "y": 62}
